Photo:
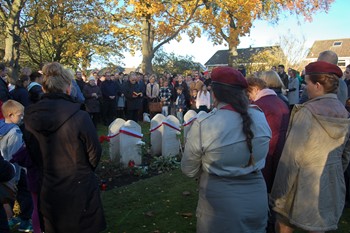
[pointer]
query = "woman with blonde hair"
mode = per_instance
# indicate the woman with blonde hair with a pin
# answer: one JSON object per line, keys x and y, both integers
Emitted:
{"x": 63, "y": 143}
{"x": 277, "y": 116}
{"x": 274, "y": 82}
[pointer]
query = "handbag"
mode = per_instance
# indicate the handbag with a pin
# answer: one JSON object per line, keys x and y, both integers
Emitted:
{"x": 155, "y": 106}
{"x": 8, "y": 192}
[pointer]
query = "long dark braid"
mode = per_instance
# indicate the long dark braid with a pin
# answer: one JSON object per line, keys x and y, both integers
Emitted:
{"x": 238, "y": 99}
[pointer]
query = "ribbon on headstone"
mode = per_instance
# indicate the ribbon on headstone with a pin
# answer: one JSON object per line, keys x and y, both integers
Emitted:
{"x": 155, "y": 128}
{"x": 130, "y": 133}
{"x": 190, "y": 121}
{"x": 171, "y": 126}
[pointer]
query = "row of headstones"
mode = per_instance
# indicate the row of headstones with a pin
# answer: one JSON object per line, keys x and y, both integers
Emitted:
{"x": 126, "y": 143}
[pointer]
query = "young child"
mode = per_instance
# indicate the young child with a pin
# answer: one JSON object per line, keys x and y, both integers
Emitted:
{"x": 180, "y": 104}
{"x": 165, "y": 97}
{"x": 11, "y": 140}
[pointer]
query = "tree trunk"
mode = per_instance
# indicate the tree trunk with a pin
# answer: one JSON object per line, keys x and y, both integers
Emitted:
{"x": 12, "y": 43}
{"x": 12, "y": 38}
{"x": 233, "y": 42}
{"x": 147, "y": 46}
{"x": 232, "y": 57}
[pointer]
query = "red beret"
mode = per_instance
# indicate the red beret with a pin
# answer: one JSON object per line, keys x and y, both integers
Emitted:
{"x": 228, "y": 76}
{"x": 322, "y": 67}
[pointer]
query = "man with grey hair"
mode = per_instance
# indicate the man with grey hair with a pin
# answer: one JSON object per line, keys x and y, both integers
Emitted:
{"x": 342, "y": 93}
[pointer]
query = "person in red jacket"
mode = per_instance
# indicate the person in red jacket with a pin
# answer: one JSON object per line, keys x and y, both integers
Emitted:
{"x": 277, "y": 115}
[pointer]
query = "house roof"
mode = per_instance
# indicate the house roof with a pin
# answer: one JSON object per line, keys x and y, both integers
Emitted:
{"x": 221, "y": 56}
{"x": 340, "y": 46}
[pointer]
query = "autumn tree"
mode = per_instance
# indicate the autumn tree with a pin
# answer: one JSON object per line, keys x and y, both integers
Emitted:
{"x": 164, "y": 62}
{"x": 14, "y": 22}
{"x": 71, "y": 32}
{"x": 151, "y": 24}
{"x": 227, "y": 20}
{"x": 264, "y": 60}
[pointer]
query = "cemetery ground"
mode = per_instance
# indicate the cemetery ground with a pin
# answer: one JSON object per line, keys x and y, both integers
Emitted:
{"x": 156, "y": 201}
{"x": 152, "y": 202}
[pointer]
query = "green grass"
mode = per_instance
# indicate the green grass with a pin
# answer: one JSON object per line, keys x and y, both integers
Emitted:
{"x": 156, "y": 204}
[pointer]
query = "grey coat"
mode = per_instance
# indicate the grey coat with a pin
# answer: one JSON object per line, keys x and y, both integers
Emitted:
{"x": 232, "y": 196}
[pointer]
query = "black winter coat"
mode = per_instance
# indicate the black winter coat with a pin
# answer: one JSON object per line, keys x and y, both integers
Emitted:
{"x": 69, "y": 153}
{"x": 92, "y": 104}
{"x": 133, "y": 103}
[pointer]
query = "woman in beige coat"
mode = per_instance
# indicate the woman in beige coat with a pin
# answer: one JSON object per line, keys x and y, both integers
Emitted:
{"x": 309, "y": 189}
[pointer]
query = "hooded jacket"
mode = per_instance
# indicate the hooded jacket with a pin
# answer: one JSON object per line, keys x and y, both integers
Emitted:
{"x": 11, "y": 140}
{"x": 63, "y": 143}
{"x": 309, "y": 186}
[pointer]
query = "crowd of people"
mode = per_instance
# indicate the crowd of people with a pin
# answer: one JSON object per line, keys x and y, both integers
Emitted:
{"x": 271, "y": 153}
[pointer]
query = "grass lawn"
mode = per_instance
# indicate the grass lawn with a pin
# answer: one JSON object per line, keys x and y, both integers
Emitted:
{"x": 158, "y": 205}
{"x": 164, "y": 203}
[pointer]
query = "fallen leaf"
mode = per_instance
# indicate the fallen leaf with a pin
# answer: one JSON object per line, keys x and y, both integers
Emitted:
{"x": 149, "y": 213}
{"x": 186, "y": 193}
{"x": 186, "y": 215}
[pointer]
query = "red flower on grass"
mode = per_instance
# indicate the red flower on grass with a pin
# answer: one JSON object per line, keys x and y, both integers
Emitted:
{"x": 103, "y": 139}
{"x": 131, "y": 164}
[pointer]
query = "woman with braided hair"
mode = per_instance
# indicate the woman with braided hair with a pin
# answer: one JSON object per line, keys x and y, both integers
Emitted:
{"x": 226, "y": 149}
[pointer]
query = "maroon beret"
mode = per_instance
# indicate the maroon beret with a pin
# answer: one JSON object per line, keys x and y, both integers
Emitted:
{"x": 322, "y": 67}
{"x": 228, "y": 76}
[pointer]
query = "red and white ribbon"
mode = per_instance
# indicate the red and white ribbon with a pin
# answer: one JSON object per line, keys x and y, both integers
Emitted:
{"x": 130, "y": 133}
{"x": 155, "y": 128}
{"x": 190, "y": 121}
{"x": 171, "y": 126}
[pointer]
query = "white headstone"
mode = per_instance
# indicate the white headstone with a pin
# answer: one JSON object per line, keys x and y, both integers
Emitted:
{"x": 170, "y": 141}
{"x": 130, "y": 143}
{"x": 189, "y": 117}
{"x": 114, "y": 139}
{"x": 156, "y": 130}
{"x": 201, "y": 113}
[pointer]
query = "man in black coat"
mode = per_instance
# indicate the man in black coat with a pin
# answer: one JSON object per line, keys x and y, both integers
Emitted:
{"x": 109, "y": 98}
{"x": 134, "y": 97}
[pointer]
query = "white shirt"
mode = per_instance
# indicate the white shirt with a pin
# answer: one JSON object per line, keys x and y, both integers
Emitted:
{"x": 203, "y": 99}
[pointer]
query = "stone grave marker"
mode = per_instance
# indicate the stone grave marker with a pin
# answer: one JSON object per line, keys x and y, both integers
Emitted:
{"x": 156, "y": 130}
{"x": 114, "y": 139}
{"x": 170, "y": 141}
{"x": 189, "y": 117}
{"x": 130, "y": 143}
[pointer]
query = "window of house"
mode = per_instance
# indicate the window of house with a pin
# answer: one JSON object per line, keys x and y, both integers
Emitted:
{"x": 337, "y": 43}
{"x": 341, "y": 63}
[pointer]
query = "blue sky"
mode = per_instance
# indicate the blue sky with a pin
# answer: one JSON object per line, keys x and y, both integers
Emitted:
{"x": 332, "y": 25}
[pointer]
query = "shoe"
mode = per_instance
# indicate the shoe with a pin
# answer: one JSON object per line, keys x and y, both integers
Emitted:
{"x": 13, "y": 222}
{"x": 25, "y": 226}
